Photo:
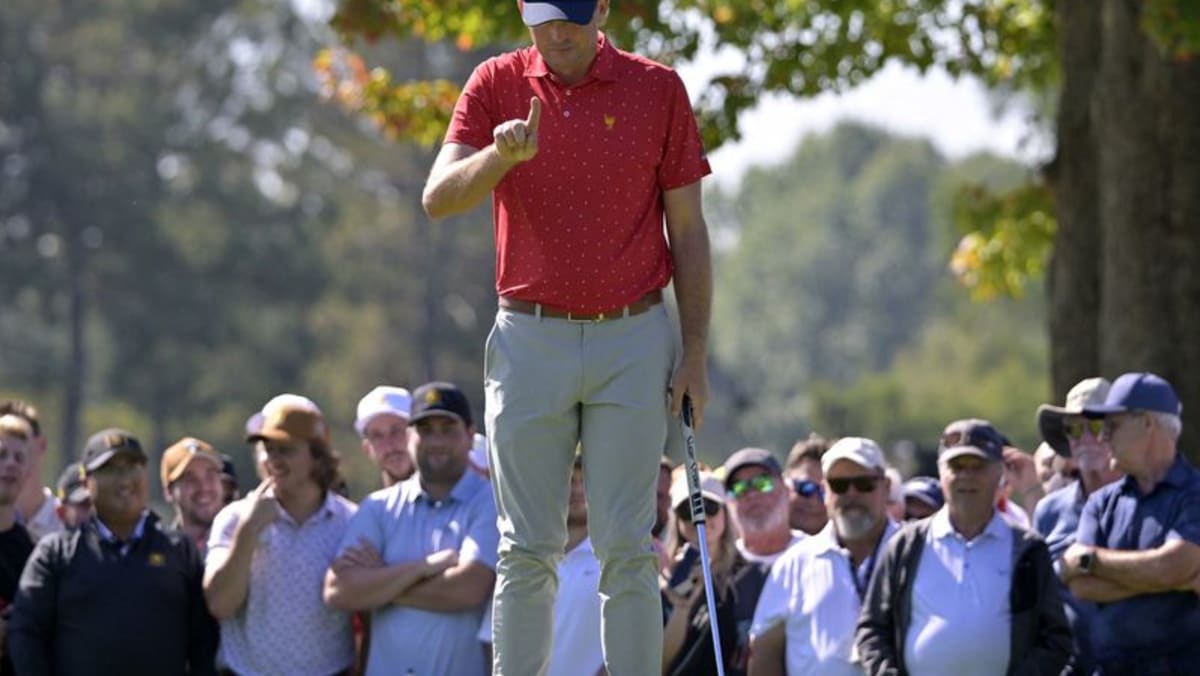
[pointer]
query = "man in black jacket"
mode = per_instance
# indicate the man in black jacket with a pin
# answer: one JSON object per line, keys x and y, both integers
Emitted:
{"x": 121, "y": 595}
{"x": 965, "y": 592}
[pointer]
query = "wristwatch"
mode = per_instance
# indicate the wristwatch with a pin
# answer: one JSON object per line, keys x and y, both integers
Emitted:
{"x": 1087, "y": 562}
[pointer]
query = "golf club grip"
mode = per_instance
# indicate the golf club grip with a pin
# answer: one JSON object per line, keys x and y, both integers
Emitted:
{"x": 692, "y": 468}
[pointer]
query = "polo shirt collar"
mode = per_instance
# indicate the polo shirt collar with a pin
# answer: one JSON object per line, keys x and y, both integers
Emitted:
{"x": 603, "y": 67}
{"x": 940, "y": 526}
{"x": 468, "y": 485}
{"x": 327, "y": 509}
{"x": 107, "y": 535}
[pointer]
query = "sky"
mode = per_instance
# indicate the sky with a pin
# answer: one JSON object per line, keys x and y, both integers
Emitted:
{"x": 956, "y": 115}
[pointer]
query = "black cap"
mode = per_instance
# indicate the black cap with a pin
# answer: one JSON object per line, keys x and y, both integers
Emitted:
{"x": 972, "y": 436}
{"x": 104, "y": 445}
{"x": 227, "y": 467}
{"x": 439, "y": 398}
{"x": 751, "y": 457}
{"x": 71, "y": 489}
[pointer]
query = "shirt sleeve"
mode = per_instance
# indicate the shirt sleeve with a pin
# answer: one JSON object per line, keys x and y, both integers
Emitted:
{"x": 482, "y": 539}
{"x": 366, "y": 524}
{"x": 473, "y": 120}
{"x": 776, "y": 595}
{"x": 1186, "y": 525}
{"x": 224, "y": 526}
{"x": 684, "y": 161}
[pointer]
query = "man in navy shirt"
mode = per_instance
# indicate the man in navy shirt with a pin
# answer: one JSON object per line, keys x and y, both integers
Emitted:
{"x": 1138, "y": 544}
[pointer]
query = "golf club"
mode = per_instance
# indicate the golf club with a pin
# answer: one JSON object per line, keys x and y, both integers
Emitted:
{"x": 696, "y": 500}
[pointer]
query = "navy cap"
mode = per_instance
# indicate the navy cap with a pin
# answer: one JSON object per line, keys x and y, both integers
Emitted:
{"x": 106, "y": 444}
{"x": 71, "y": 489}
{"x": 439, "y": 398}
{"x": 751, "y": 457}
{"x": 1138, "y": 392}
{"x": 537, "y": 12}
{"x": 926, "y": 489}
{"x": 972, "y": 436}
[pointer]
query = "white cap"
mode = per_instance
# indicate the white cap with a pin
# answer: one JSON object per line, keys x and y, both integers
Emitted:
{"x": 710, "y": 487}
{"x": 859, "y": 450}
{"x": 382, "y": 399}
{"x": 479, "y": 452}
{"x": 254, "y": 423}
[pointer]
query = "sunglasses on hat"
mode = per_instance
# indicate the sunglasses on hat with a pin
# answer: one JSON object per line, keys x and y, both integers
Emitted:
{"x": 763, "y": 483}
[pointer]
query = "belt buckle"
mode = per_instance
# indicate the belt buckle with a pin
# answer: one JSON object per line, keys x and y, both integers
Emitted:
{"x": 586, "y": 320}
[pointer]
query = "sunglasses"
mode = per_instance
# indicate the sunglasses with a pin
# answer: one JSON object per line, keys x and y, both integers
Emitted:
{"x": 763, "y": 483}
{"x": 684, "y": 511}
{"x": 1075, "y": 427}
{"x": 862, "y": 484}
{"x": 807, "y": 489}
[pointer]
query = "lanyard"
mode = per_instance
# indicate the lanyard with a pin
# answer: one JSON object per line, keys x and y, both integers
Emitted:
{"x": 860, "y": 585}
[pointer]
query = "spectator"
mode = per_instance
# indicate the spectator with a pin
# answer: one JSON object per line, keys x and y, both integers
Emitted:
{"x": 421, "y": 555}
{"x": 1053, "y": 470}
{"x": 1137, "y": 552}
{"x": 268, "y": 552}
{"x": 754, "y": 480}
{"x": 662, "y": 518}
{"x": 922, "y": 497}
{"x": 382, "y": 424}
{"x": 229, "y": 481}
{"x": 809, "y": 606}
{"x": 1057, "y": 516}
{"x": 120, "y": 595}
{"x": 37, "y": 508}
{"x": 965, "y": 592}
{"x": 16, "y": 435}
{"x": 895, "y": 502}
{"x": 687, "y": 635}
{"x": 74, "y": 503}
{"x": 576, "y": 647}
{"x": 191, "y": 481}
{"x": 806, "y": 501}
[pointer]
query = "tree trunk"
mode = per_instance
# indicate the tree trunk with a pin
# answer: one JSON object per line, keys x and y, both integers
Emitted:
{"x": 72, "y": 412}
{"x": 1143, "y": 122}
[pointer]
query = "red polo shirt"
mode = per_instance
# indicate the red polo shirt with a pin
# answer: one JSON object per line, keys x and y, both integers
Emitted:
{"x": 580, "y": 226}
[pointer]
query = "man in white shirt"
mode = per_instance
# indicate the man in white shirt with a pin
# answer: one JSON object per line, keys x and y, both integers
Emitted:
{"x": 965, "y": 592}
{"x": 809, "y": 607}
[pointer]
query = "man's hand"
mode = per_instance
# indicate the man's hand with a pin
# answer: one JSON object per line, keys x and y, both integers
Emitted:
{"x": 1022, "y": 477}
{"x": 691, "y": 378}
{"x": 516, "y": 140}
{"x": 265, "y": 507}
{"x": 440, "y": 561}
{"x": 1070, "y": 561}
{"x": 362, "y": 555}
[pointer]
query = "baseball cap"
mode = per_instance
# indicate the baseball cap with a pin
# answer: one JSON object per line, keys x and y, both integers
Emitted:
{"x": 179, "y": 455}
{"x": 255, "y": 421}
{"x": 926, "y": 489}
{"x": 859, "y": 450}
{"x": 751, "y": 457}
{"x": 71, "y": 489}
{"x": 440, "y": 398}
{"x": 379, "y": 401}
{"x": 1138, "y": 392}
{"x": 710, "y": 489}
{"x": 972, "y": 436}
{"x": 106, "y": 444}
{"x": 1087, "y": 392}
{"x": 537, "y": 12}
{"x": 290, "y": 423}
{"x": 228, "y": 469}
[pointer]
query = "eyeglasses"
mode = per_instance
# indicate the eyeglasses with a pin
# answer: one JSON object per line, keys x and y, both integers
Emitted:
{"x": 1075, "y": 427}
{"x": 807, "y": 489}
{"x": 862, "y": 484}
{"x": 684, "y": 511}
{"x": 763, "y": 483}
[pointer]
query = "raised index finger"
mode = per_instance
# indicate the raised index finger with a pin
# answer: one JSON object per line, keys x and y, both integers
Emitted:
{"x": 535, "y": 115}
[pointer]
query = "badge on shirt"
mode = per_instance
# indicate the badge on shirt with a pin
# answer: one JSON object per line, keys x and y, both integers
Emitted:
{"x": 157, "y": 559}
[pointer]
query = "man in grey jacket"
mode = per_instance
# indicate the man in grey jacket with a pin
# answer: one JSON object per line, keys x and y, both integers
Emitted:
{"x": 965, "y": 592}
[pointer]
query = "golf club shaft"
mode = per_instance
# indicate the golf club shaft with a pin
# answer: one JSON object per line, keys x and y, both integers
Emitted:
{"x": 696, "y": 498}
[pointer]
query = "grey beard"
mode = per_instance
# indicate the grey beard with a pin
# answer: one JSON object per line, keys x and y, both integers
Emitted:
{"x": 853, "y": 524}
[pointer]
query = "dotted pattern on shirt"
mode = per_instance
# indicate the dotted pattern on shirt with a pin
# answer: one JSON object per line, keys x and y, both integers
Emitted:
{"x": 580, "y": 226}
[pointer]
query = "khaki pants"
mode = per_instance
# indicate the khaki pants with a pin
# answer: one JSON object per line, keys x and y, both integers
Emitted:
{"x": 550, "y": 383}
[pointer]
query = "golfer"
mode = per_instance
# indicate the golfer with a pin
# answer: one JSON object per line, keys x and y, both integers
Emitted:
{"x": 584, "y": 148}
